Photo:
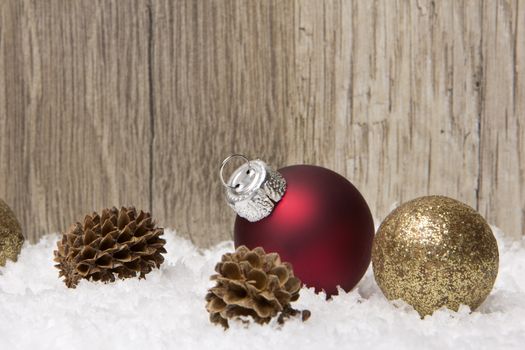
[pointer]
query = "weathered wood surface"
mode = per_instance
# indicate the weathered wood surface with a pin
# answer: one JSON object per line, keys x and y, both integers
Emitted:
{"x": 137, "y": 102}
{"x": 74, "y": 111}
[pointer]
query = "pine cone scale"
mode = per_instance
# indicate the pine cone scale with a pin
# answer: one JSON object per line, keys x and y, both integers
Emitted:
{"x": 107, "y": 227}
{"x": 258, "y": 279}
{"x": 123, "y": 220}
{"x": 89, "y": 236}
{"x": 123, "y": 255}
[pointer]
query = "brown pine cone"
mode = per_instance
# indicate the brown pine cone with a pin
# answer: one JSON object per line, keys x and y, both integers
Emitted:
{"x": 118, "y": 243}
{"x": 253, "y": 283}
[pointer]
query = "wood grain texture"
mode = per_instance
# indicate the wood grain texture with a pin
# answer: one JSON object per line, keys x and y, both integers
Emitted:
{"x": 391, "y": 100}
{"x": 76, "y": 108}
{"x": 502, "y": 120}
{"x": 137, "y": 102}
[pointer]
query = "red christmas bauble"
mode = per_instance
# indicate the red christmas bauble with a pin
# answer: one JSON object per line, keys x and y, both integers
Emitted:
{"x": 321, "y": 225}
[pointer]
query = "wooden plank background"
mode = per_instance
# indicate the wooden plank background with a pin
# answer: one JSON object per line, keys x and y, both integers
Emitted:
{"x": 136, "y": 103}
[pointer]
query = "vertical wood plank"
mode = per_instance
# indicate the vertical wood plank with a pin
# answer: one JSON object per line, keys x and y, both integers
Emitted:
{"x": 502, "y": 181}
{"x": 77, "y": 112}
{"x": 519, "y": 112}
{"x": 390, "y": 101}
{"x": 221, "y": 85}
{"x": 12, "y": 121}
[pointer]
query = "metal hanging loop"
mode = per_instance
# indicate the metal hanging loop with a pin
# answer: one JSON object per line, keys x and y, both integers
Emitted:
{"x": 226, "y": 161}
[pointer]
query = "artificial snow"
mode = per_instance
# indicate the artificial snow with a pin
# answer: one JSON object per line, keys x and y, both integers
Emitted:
{"x": 166, "y": 311}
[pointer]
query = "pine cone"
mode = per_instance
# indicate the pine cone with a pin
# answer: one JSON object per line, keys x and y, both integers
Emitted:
{"x": 252, "y": 283}
{"x": 118, "y": 243}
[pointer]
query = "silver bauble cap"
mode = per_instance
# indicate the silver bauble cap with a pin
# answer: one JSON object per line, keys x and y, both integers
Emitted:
{"x": 253, "y": 188}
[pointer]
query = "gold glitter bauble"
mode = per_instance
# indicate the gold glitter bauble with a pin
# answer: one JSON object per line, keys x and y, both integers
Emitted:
{"x": 435, "y": 251}
{"x": 11, "y": 238}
